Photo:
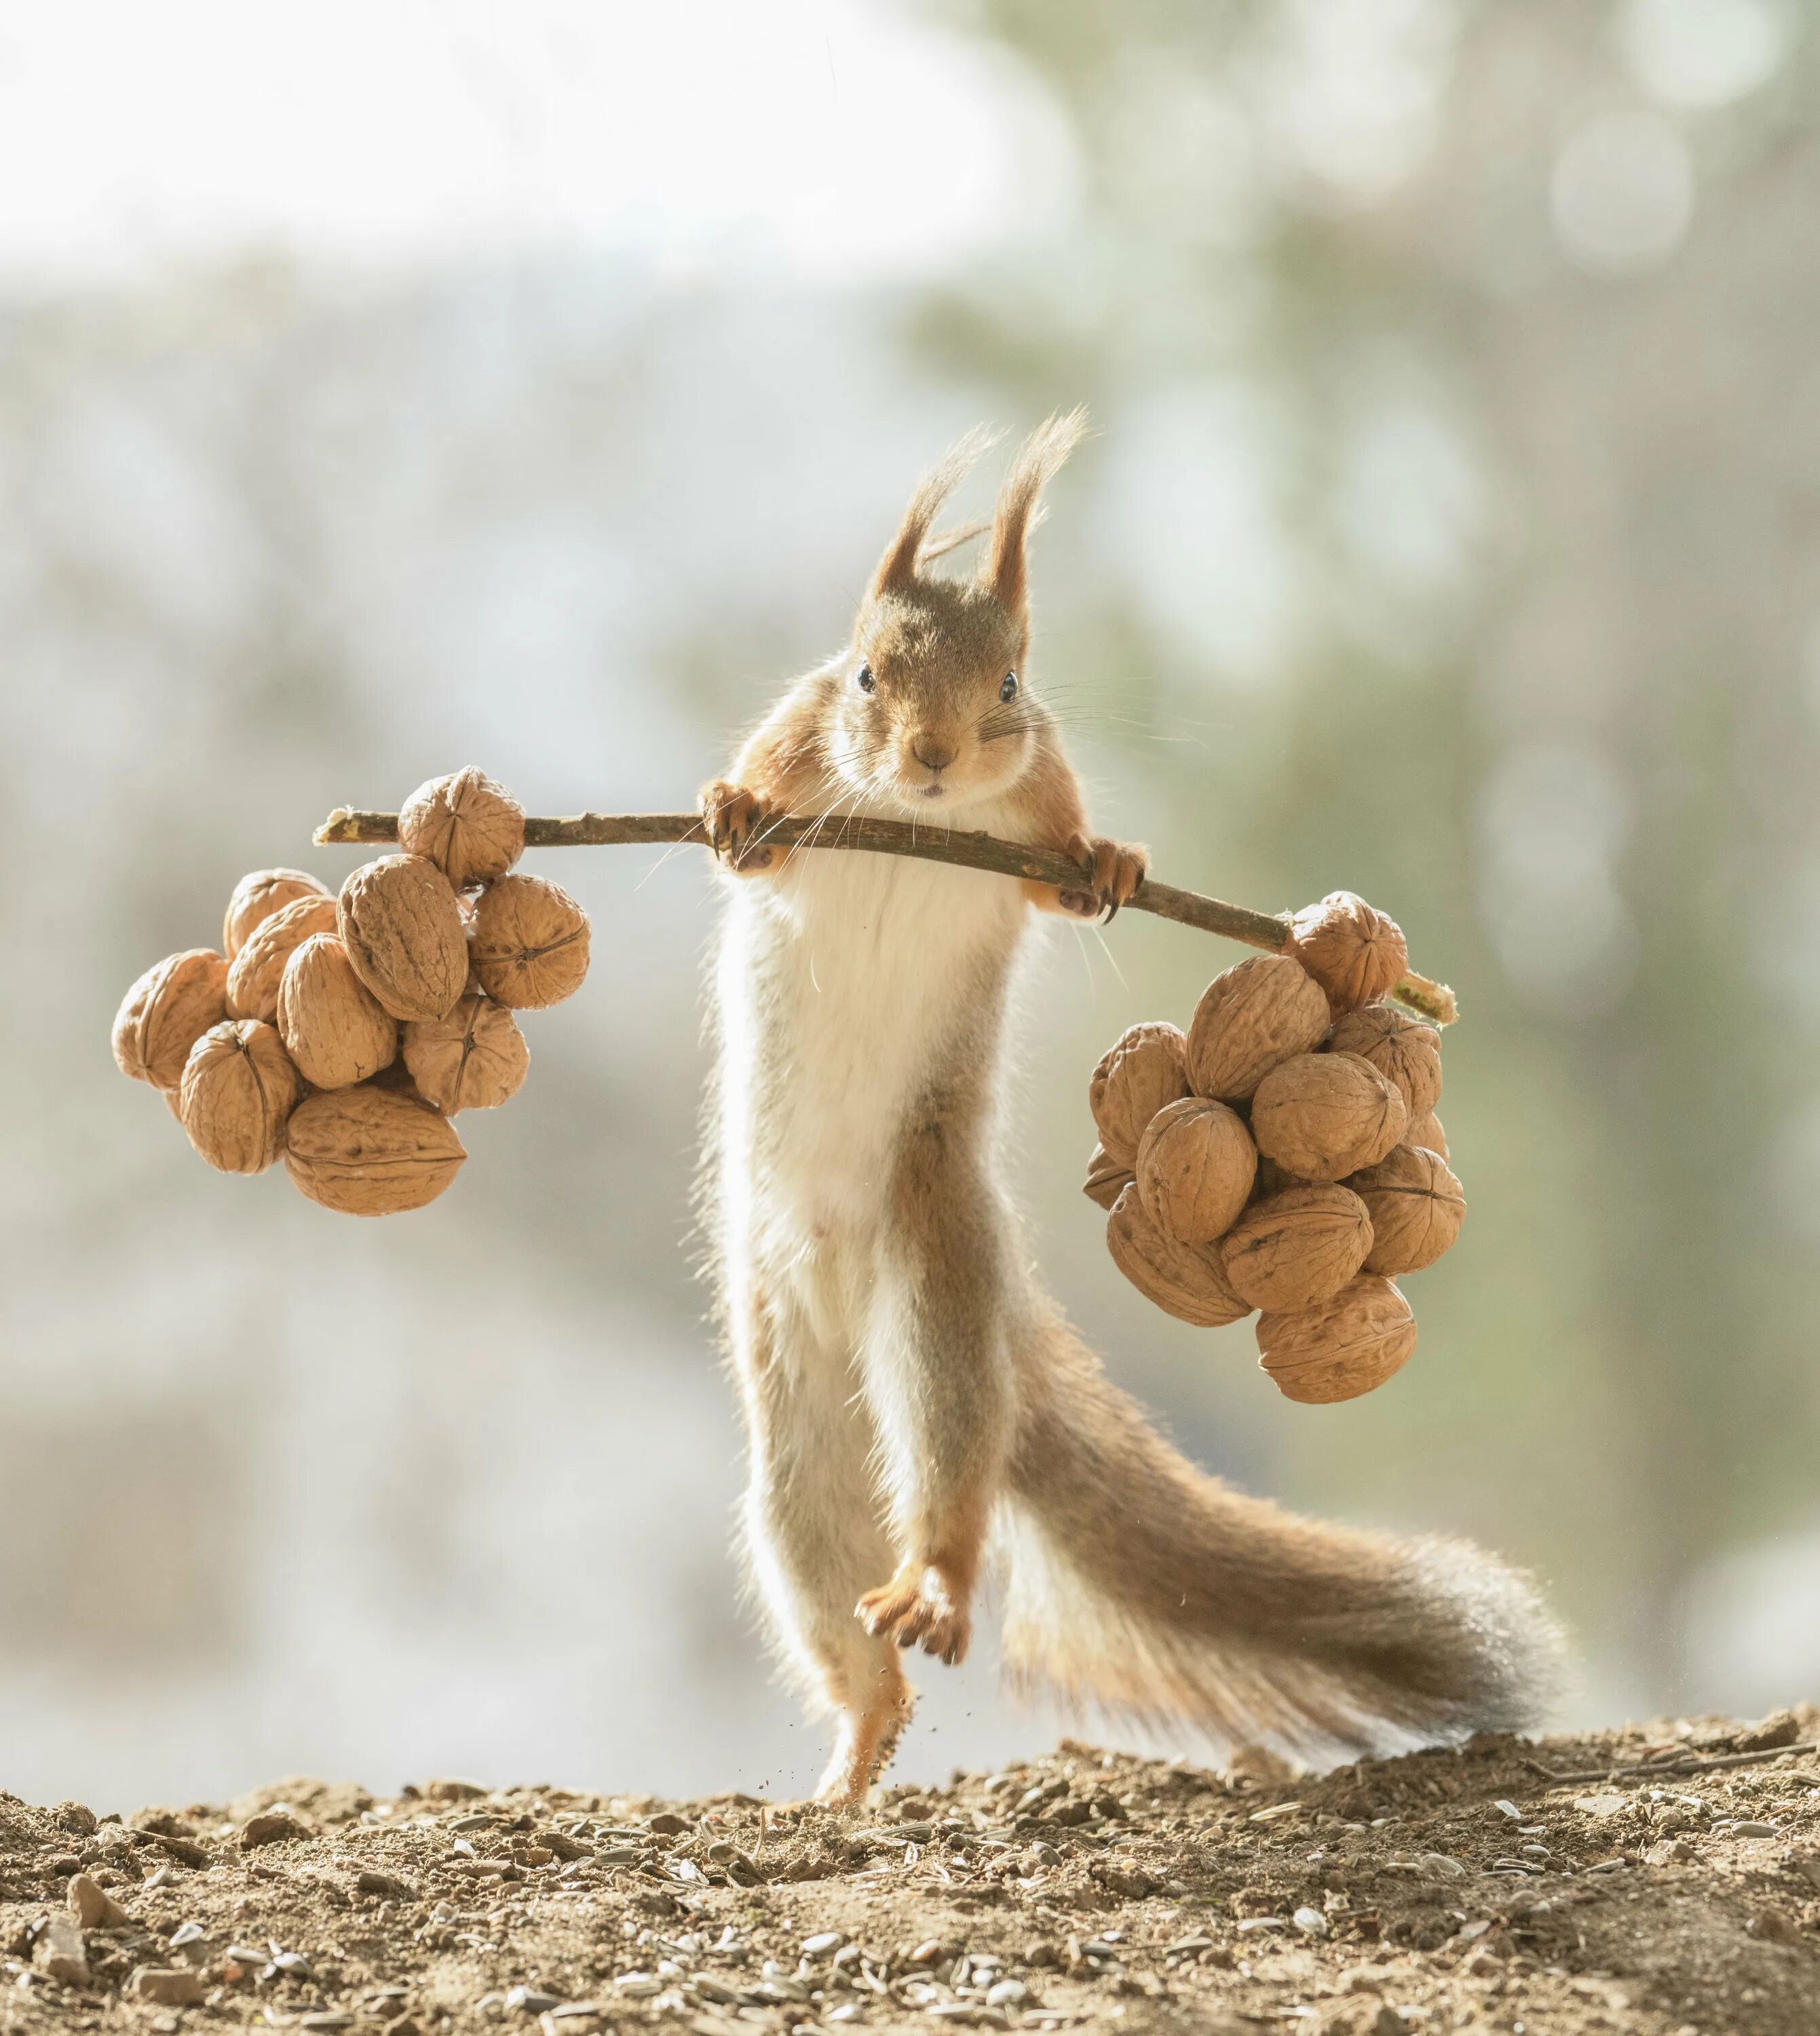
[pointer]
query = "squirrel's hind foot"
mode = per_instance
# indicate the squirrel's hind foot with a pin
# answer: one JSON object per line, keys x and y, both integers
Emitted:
{"x": 920, "y": 1606}
{"x": 868, "y": 1738}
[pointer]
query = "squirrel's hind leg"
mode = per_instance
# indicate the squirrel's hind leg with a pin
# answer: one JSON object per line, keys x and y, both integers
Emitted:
{"x": 814, "y": 1540}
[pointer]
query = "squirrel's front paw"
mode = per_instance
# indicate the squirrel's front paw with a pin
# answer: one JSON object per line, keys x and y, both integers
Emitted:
{"x": 732, "y": 818}
{"x": 919, "y": 1604}
{"x": 1117, "y": 869}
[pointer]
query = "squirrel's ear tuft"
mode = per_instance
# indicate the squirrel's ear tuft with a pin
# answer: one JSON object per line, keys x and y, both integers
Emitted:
{"x": 897, "y": 568}
{"x": 1039, "y": 458}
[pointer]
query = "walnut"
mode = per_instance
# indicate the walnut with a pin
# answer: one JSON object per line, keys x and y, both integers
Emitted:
{"x": 1399, "y": 1045}
{"x": 1105, "y": 1178}
{"x": 1417, "y": 1206}
{"x": 166, "y": 1012}
{"x": 1185, "y": 1280}
{"x": 1426, "y": 1131}
{"x": 474, "y": 1059}
{"x": 1255, "y": 1015}
{"x": 530, "y": 943}
{"x": 402, "y": 927}
{"x": 255, "y": 972}
{"x": 1356, "y": 954}
{"x": 337, "y": 1032}
{"x": 1299, "y": 1247}
{"x": 471, "y": 829}
{"x": 1140, "y": 1071}
{"x": 258, "y": 896}
{"x": 1341, "y": 1347}
{"x": 370, "y": 1151}
{"x": 240, "y": 1089}
{"x": 1195, "y": 1163}
{"x": 1323, "y": 1116}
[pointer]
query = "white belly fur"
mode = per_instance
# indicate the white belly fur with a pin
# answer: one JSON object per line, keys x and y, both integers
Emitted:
{"x": 839, "y": 983}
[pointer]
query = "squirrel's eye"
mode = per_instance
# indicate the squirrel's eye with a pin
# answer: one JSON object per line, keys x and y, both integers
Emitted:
{"x": 1008, "y": 690}
{"x": 865, "y": 680}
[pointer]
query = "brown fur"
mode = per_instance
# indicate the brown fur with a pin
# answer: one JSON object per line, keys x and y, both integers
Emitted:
{"x": 913, "y": 1399}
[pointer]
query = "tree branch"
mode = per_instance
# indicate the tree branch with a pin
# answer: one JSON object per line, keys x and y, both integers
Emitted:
{"x": 972, "y": 851}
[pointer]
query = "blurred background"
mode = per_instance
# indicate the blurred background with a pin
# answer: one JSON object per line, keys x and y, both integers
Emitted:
{"x": 386, "y": 387}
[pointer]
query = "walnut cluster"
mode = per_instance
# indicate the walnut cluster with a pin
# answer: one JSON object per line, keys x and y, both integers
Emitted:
{"x": 341, "y": 1032}
{"x": 1283, "y": 1155}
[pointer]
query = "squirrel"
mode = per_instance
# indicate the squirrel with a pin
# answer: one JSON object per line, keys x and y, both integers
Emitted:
{"x": 919, "y": 1412}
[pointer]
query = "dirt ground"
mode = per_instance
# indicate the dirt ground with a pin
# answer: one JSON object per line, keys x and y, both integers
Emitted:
{"x": 1660, "y": 1879}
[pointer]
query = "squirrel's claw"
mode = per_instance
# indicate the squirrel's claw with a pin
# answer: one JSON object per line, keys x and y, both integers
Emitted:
{"x": 731, "y": 817}
{"x": 916, "y": 1608}
{"x": 1115, "y": 870}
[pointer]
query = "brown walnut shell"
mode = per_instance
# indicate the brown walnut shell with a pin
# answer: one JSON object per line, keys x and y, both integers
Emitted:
{"x": 1399, "y": 1045}
{"x": 1106, "y": 1178}
{"x": 241, "y": 1088}
{"x": 166, "y": 1012}
{"x": 370, "y": 1151}
{"x": 256, "y": 971}
{"x": 401, "y": 924}
{"x": 474, "y": 1059}
{"x": 472, "y": 829}
{"x": 1323, "y": 1116}
{"x": 337, "y": 1032}
{"x": 1251, "y": 1017}
{"x": 1185, "y": 1280}
{"x": 1195, "y": 1164}
{"x": 1356, "y": 953}
{"x": 1417, "y": 1206}
{"x": 1138, "y": 1074}
{"x": 258, "y": 896}
{"x": 1298, "y": 1248}
{"x": 1340, "y": 1347}
{"x": 530, "y": 942}
{"x": 1426, "y": 1131}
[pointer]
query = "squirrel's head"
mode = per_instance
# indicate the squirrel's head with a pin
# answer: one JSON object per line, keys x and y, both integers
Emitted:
{"x": 934, "y": 707}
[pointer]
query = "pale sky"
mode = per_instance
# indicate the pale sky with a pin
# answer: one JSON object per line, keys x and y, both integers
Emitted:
{"x": 827, "y": 136}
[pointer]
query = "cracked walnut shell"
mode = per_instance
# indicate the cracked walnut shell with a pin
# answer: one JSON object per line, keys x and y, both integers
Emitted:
{"x": 1195, "y": 1164}
{"x": 1340, "y": 1347}
{"x": 337, "y": 1032}
{"x": 1356, "y": 953}
{"x": 471, "y": 829}
{"x": 240, "y": 1089}
{"x": 166, "y": 1012}
{"x": 530, "y": 942}
{"x": 1185, "y": 1280}
{"x": 1251, "y": 1017}
{"x": 401, "y": 924}
{"x": 1138, "y": 1074}
{"x": 370, "y": 1151}
{"x": 474, "y": 1059}
{"x": 1323, "y": 1116}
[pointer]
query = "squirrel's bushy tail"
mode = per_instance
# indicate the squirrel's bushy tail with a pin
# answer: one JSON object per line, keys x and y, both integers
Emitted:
{"x": 1138, "y": 1584}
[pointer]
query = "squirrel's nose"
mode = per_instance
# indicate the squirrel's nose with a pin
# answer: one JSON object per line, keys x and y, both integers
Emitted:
{"x": 932, "y": 755}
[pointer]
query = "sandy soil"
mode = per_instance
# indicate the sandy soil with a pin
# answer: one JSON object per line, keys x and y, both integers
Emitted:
{"x": 1513, "y": 1886}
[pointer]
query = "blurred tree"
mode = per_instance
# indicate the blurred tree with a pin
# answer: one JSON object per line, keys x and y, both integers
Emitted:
{"x": 1459, "y": 411}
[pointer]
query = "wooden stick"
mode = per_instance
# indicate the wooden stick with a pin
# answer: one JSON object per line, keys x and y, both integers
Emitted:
{"x": 972, "y": 851}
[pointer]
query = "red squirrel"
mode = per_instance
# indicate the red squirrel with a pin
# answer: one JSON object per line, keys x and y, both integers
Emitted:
{"x": 920, "y": 1413}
